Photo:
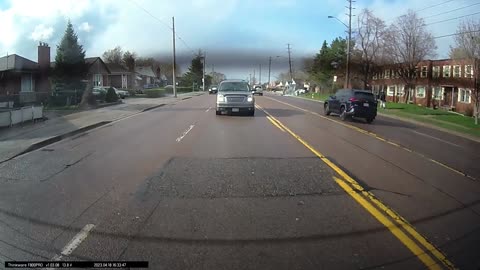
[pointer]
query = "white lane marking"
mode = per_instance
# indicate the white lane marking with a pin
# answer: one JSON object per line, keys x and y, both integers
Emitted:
{"x": 74, "y": 243}
{"x": 438, "y": 139}
{"x": 208, "y": 109}
{"x": 185, "y": 133}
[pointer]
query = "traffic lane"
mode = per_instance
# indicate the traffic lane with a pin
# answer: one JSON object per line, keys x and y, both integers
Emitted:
{"x": 442, "y": 204}
{"x": 90, "y": 175}
{"x": 242, "y": 194}
{"x": 457, "y": 152}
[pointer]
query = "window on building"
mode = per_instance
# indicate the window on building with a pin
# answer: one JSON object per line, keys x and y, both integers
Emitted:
{"x": 27, "y": 83}
{"x": 400, "y": 90}
{"x": 420, "y": 93}
{"x": 437, "y": 93}
{"x": 397, "y": 73}
{"x": 380, "y": 75}
{"x": 468, "y": 71}
{"x": 391, "y": 91}
{"x": 97, "y": 80}
{"x": 387, "y": 73}
{"x": 446, "y": 71}
{"x": 464, "y": 95}
{"x": 457, "y": 71}
{"x": 374, "y": 77}
{"x": 424, "y": 72}
{"x": 435, "y": 71}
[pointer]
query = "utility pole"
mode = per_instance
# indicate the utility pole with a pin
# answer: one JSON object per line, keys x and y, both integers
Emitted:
{"x": 250, "y": 78}
{"x": 174, "y": 67}
{"x": 260, "y": 75}
{"x": 290, "y": 61}
{"x": 203, "y": 75}
{"x": 347, "y": 75}
{"x": 253, "y": 76}
{"x": 269, "y": 69}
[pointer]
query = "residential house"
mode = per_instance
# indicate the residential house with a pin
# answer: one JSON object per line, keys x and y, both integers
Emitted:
{"x": 449, "y": 83}
{"x": 144, "y": 76}
{"x": 23, "y": 78}
{"x": 119, "y": 76}
{"x": 98, "y": 72}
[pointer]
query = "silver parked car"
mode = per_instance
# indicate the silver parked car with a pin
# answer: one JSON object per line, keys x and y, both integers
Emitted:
{"x": 235, "y": 96}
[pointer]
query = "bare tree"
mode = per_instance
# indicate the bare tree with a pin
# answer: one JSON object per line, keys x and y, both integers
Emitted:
{"x": 370, "y": 41}
{"x": 467, "y": 43}
{"x": 408, "y": 42}
{"x": 128, "y": 59}
{"x": 113, "y": 56}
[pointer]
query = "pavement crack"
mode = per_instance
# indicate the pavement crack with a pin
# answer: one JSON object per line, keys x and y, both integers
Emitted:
{"x": 66, "y": 167}
{"x": 389, "y": 191}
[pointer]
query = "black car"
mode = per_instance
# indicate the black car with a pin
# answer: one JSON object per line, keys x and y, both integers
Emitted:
{"x": 352, "y": 103}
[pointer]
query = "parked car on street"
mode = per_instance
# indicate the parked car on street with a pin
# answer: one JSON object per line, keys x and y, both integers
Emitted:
{"x": 352, "y": 103}
{"x": 120, "y": 93}
{"x": 235, "y": 96}
{"x": 213, "y": 89}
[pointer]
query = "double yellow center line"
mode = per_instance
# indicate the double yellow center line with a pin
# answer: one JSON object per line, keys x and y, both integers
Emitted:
{"x": 396, "y": 224}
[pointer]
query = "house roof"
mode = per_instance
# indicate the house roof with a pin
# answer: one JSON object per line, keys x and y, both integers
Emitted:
{"x": 89, "y": 61}
{"x": 17, "y": 62}
{"x": 145, "y": 71}
{"x": 116, "y": 68}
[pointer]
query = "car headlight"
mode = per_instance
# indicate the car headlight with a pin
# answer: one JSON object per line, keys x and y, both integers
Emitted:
{"x": 220, "y": 98}
{"x": 250, "y": 98}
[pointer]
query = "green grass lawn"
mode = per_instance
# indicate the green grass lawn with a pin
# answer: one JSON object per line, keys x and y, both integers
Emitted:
{"x": 440, "y": 118}
{"x": 316, "y": 96}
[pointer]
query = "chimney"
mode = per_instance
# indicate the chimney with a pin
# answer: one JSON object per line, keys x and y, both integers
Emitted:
{"x": 43, "y": 84}
{"x": 43, "y": 56}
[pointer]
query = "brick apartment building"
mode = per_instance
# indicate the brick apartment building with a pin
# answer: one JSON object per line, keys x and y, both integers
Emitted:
{"x": 449, "y": 83}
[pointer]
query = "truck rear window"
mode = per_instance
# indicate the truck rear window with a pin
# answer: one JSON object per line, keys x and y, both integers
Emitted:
{"x": 364, "y": 96}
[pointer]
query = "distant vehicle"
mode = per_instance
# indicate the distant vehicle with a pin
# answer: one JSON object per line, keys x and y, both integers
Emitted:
{"x": 235, "y": 96}
{"x": 151, "y": 86}
{"x": 257, "y": 90}
{"x": 352, "y": 103}
{"x": 213, "y": 89}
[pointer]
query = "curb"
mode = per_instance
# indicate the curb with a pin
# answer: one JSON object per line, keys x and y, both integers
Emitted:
{"x": 462, "y": 135}
{"x": 56, "y": 138}
{"x": 149, "y": 108}
{"x": 465, "y": 136}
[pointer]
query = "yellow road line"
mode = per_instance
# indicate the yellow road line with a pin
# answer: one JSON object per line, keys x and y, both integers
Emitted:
{"x": 397, "y": 232}
{"x": 398, "y": 219}
{"x": 374, "y": 135}
{"x": 275, "y": 123}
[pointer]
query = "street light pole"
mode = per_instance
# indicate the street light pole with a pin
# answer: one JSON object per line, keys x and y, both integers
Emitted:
{"x": 349, "y": 28}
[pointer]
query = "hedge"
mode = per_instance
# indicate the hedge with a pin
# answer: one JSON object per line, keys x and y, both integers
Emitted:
{"x": 154, "y": 93}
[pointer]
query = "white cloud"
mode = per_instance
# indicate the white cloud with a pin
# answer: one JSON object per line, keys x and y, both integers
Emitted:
{"x": 85, "y": 27}
{"x": 42, "y": 33}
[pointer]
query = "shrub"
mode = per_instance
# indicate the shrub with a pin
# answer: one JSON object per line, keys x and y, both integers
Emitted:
{"x": 154, "y": 93}
{"x": 111, "y": 95}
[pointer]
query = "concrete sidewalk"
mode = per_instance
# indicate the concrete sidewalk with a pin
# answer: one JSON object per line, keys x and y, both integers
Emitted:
{"x": 20, "y": 139}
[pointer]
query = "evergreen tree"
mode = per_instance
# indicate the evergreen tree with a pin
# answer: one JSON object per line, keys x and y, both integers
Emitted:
{"x": 70, "y": 67}
{"x": 195, "y": 72}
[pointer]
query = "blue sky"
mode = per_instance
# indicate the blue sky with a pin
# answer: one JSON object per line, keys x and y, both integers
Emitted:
{"x": 238, "y": 35}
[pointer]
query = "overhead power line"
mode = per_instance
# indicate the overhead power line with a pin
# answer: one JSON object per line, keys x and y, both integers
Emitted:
{"x": 164, "y": 23}
{"x": 436, "y": 5}
{"x": 456, "y": 18}
{"x": 456, "y": 34}
{"x": 450, "y": 11}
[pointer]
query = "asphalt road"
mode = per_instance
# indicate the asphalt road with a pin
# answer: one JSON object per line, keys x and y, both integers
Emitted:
{"x": 183, "y": 188}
